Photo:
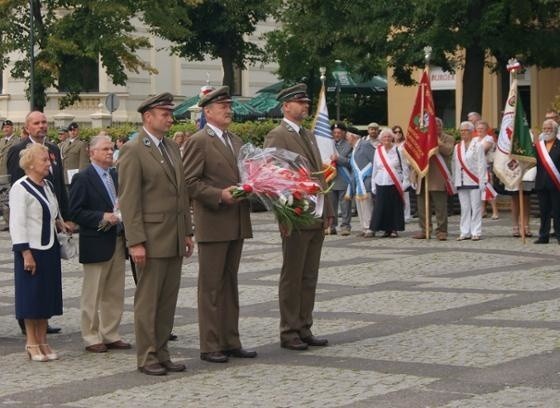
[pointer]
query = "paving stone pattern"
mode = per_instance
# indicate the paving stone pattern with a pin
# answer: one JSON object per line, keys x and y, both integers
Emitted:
{"x": 411, "y": 323}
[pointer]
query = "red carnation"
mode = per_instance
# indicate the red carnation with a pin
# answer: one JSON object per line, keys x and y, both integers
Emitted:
{"x": 247, "y": 188}
{"x": 297, "y": 195}
{"x": 298, "y": 211}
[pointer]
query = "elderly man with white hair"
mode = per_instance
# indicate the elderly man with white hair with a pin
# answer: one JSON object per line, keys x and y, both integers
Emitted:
{"x": 547, "y": 181}
{"x": 469, "y": 177}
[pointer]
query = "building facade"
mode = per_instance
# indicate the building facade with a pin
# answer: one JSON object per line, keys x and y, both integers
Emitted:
{"x": 174, "y": 74}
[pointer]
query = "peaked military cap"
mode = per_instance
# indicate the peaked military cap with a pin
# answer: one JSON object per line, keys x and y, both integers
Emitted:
{"x": 373, "y": 125}
{"x": 73, "y": 126}
{"x": 62, "y": 129}
{"x": 218, "y": 95}
{"x": 7, "y": 122}
{"x": 296, "y": 93}
{"x": 338, "y": 125}
{"x": 161, "y": 101}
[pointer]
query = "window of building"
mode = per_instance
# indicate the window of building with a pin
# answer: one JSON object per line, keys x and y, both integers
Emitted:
{"x": 79, "y": 74}
{"x": 444, "y": 102}
{"x": 525, "y": 95}
{"x": 237, "y": 81}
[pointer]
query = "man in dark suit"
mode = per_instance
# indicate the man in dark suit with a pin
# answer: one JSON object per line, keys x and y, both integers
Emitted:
{"x": 361, "y": 161}
{"x": 36, "y": 127}
{"x": 301, "y": 249}
{"x": 340, "y": 193}
{"x": 94, "y": 207}
{"x": 156, "y": 217}
{"x": 222, "y": 223}
{"x": 547, "y": 180}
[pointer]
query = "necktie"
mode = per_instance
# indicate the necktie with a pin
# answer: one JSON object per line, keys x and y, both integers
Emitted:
{"x": 227, "y": 142}
{"x": 166, "y": 157}
{"x": 111, "y": 186}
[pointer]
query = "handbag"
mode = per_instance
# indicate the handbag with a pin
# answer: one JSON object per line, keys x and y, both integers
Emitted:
{"x": 68, "y": 245}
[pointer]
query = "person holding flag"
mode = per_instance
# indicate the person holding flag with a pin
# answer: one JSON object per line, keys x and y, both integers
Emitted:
{"x": 515, "y": 154}
{"x": 469, "y": 176}
{"x": 361, "y": 161}
{"x": 440, "y": 185}
{"x": 422, "y": 141}
{"x": 341, "y": 193}
{"x": 547, "y": 180}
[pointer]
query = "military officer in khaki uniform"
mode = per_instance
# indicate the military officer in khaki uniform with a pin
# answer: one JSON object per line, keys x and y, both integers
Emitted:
{"x": 74, "y": 153}
{"x": 154, "y": 207}
{"x": 222, "y": 223}
{"x": 301, "y": 249}
{"x": 8, "y": 140}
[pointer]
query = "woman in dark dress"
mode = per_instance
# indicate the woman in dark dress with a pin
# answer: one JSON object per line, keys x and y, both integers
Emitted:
{"x": 33, "y": 222}
{"x": 389, "y": 181}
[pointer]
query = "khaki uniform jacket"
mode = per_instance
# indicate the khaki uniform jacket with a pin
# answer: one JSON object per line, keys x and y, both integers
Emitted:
{"x": 285, "y": 137}
{"x": 5, "y": 145}
{"x": 152, "y": 198}
{"x": 74, "y": 156}
{"x": 436, "y": 182}
{"x": 209, "y": 168}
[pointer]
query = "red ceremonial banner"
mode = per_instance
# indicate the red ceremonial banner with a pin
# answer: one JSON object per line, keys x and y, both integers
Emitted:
{"x": 421, "y": 139}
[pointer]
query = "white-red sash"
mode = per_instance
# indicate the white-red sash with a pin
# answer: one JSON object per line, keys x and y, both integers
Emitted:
{"x": 489, "y": 192}
{"x": 391, "y": 171}
{"x": 449, "y": 186}
{"x": 548, "y": 164}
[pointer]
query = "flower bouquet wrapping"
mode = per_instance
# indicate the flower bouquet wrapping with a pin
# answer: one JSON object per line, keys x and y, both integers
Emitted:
{"x": 282, "y": 181}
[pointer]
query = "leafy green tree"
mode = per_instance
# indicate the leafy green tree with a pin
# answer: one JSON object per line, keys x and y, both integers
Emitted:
{"x": 468, "y": 34}
{"x": 218, "y": 28}
{"x": 68, "y": 33}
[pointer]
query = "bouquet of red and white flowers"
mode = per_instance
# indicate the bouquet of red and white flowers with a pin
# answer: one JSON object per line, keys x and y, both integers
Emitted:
{"x": 282, "y": 181}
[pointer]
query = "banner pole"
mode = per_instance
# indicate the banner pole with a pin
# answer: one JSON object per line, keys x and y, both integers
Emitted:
{"x": 521, "y": 213}
{"x": 427, "y": 213}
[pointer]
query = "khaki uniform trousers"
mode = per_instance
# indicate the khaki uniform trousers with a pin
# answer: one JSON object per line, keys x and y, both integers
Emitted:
{"x": 102, "y": 298}
{"x": 438, "y": 201}
{"x": 298, "y": 281}
{"x": 218, "y": 296}
{"x": 155, "y": 300}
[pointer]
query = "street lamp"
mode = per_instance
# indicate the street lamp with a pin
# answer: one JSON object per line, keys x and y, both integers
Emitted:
{"x": 31, "y": 58}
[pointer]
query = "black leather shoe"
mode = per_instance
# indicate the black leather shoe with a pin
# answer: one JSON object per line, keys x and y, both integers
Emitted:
{"x": 153, "y": 369}
{"x": 294, "y": 344}
{"x": 315, "y": 341}
{"x": 172, "y": 337}
{"x": 240, "y": 353}
{"x": 541, "y": 241}
{"x": 53, "y": 330}
{"x": 173, "y": 367}
{"x": 214, "y": 357}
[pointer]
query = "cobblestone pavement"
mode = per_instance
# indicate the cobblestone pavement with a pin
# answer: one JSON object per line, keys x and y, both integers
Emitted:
{"x": 410, "y": 323}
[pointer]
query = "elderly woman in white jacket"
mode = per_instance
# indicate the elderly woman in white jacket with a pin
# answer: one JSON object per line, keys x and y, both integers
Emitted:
{"x": 34, "y": 219}
{"x": 469, "y": 177}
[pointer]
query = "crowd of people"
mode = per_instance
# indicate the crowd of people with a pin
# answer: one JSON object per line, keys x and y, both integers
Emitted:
{"x": 375, "y": 175}
{"x": 112, "y": 194}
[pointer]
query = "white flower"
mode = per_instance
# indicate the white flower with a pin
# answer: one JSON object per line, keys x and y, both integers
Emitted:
{"x": 282, "y": 200}
{"x": 290, "y": 200}
{"x": 305, "y": 205}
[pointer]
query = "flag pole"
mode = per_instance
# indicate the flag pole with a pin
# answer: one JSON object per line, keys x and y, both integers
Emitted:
{"x": 428, "y": 224}
{"x": 521, "y": 219}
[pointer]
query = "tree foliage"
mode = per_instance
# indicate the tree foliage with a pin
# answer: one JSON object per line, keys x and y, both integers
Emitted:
{"x": 218, "y": 28}
{"x": 69, "y": 30}
{"x": 467, "y": 34}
